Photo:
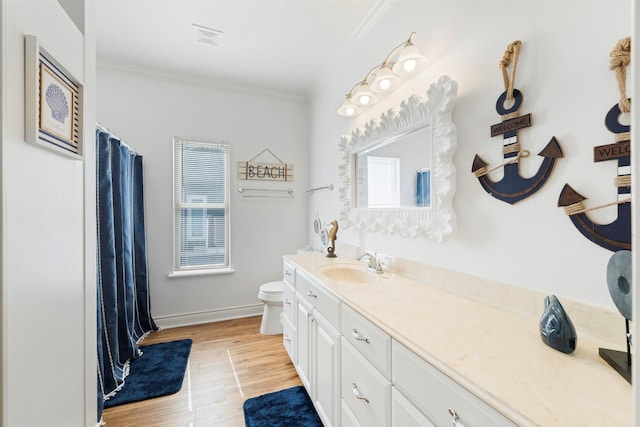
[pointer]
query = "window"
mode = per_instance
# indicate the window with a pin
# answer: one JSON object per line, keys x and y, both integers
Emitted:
{"x": 383, "y": 182}
{"x": 201, "y": 212}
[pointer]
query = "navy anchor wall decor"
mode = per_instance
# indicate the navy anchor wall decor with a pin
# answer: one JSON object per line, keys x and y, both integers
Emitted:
{"x": 616, "y": 235}
{"x": 513, "y": 187}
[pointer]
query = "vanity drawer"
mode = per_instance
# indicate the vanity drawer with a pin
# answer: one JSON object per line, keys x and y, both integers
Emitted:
{"x": 289, "y": 338}
{"x": 364, "y": 390}
{"x": 404, "y": 413}
{"x": 327, "y": 304}
{"x": 434, "y": 393}
{"x": 289, "y": 273}
{"x": 289, "y": 302}
{"x": 370, "y": 340}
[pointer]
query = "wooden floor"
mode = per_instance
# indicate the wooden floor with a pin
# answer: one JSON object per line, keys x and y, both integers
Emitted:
{"x": 230, "y": 362}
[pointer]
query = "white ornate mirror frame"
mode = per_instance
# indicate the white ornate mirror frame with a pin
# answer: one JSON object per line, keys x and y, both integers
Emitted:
{"x": 435, "y": 112}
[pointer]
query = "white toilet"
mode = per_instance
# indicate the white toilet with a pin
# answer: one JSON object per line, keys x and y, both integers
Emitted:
{"x": 271, "y": 294}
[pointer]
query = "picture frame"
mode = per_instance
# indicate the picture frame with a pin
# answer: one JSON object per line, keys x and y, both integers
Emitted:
{"x": 53, "y": 103}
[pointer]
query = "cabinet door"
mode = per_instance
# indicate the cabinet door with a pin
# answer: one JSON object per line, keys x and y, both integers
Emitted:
{"x": 289, "y": 302}
{"x": 289, "y": 339}
{"x": 303, "y": 343}
{"x": 326, "y": 369}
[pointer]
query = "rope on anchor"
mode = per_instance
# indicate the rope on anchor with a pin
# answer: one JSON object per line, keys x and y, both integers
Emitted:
{"x": 623, "y": 136}
{"x": 513, "y": 148}
{"x": 484, "y": 171}
{"x": 579, "y": 207}
{"x": 513, "y": 51}
{"x": 511, "y": 115}
{"x": 620, "y": 59}
{"x": 623, "y": 181}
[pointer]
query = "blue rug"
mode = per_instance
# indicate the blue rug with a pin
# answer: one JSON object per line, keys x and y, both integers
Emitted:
{"x": 290, "y": 407}
{"x": 158, "y": 372}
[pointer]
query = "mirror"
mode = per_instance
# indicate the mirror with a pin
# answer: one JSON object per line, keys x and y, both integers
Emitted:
{"x": 397, "y": 175}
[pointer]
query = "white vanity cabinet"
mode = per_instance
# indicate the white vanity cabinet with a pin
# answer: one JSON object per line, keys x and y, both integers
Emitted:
{"x": 385, "y": 384}
{"x": 424, "y": 389}
{"x": 359, "y": 375}
{"x": 318, "y": 346}
{"x": 387, "y": 347}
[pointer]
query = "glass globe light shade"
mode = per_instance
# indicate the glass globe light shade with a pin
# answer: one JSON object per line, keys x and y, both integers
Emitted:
{"x": 364, "y": 96}
{"x": 348, "y": 109}
{"x": 385, "y": 81}
{"x": 409, "y": 61}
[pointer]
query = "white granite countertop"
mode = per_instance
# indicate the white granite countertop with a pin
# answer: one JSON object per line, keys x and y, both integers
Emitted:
{"x": 495, "y": 354}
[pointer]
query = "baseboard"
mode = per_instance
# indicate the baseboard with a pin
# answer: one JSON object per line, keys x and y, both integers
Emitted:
{"x": 187, "y": 319}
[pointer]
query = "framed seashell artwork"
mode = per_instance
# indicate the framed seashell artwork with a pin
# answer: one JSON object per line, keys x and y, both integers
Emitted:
{"x": 53, "y": 100}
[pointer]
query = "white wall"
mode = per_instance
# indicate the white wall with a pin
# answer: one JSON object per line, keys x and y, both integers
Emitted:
{"x": 44, "y": 310}
{"x": 147, "y": 111}
{"x": 563, "y": 73}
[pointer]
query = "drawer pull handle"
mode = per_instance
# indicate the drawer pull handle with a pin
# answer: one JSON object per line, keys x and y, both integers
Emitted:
{"x": 286, "y": 338}
{"x": 311, "y": 294}
{"x": 287, "y": 302}
{"x": 356, "y": 392}
{"x": 357, "y": 336}
{"x": 455, "y": 419}
{"x": 286, "y": 273}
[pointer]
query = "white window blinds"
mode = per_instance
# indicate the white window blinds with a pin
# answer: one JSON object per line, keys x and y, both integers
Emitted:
{"x": 201, "y": 205}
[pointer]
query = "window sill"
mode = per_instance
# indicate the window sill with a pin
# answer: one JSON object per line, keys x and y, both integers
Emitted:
{"x": 189, "y": 273}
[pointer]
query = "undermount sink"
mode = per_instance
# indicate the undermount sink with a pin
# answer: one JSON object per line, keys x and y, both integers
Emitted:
{"x": 348, "y": 273}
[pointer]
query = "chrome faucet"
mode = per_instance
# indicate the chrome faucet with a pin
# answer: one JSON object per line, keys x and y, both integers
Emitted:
{"x": 374, "y": 264}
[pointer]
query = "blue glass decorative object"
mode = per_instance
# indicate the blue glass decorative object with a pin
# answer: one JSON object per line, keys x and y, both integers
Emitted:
{"x": 556, "y": 329}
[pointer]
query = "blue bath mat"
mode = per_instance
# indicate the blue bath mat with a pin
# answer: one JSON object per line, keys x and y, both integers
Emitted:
{"x": 290, "y": 407}
{"x": 158, "y": 372}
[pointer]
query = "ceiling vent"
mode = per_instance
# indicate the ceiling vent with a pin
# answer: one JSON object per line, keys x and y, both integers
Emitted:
{"x": 206, "y": 35}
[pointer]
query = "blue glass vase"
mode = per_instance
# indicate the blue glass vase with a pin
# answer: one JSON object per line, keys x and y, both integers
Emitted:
{"x": 556, "y": 328}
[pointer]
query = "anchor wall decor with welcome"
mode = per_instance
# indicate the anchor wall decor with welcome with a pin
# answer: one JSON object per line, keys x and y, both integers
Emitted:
{"x": 512, "y": 187}
{"x": 255, "y": 169}
{"x": 616, "y": 235}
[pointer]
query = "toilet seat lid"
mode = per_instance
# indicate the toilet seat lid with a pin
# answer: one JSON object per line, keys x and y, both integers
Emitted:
{"x": 272, "y": 287}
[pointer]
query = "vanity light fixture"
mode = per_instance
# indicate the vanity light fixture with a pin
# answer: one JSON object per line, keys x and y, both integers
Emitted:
{"x": 403, "y": 60}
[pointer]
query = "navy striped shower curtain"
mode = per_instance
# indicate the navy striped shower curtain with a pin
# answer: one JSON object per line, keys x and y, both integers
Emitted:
{"x": 124, "y": 313}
